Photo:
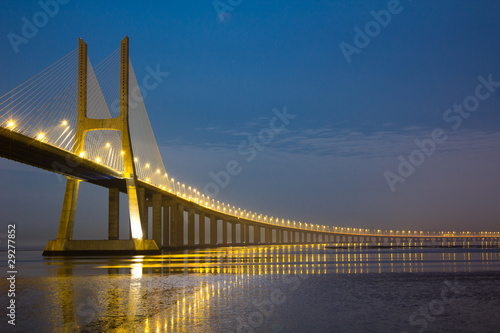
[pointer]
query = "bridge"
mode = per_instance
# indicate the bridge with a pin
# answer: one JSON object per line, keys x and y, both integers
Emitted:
{"x": 91, "y": 125}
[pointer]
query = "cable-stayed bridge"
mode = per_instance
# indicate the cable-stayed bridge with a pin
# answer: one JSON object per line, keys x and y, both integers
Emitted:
{"x": 90, "y": 124}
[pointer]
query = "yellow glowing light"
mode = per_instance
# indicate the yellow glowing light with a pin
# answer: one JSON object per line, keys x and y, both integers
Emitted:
{"x": 82, "y": 154}
{"x": 147, "y": 165}
{"x": 147, "y": 179}
{"x": 122, "y": 152}
{"x": 107, "y": 145}
{"x": 10, "y": 124}
{"x": 40, "y": 136}
{"x": 64, "y": 123}
{"x": 135, "y": 159}
{"x": 98, "y": 160}
{"x": 158, "y": 171}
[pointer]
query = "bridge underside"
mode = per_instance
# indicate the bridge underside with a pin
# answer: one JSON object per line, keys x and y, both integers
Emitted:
{"x": 33, "y": 152}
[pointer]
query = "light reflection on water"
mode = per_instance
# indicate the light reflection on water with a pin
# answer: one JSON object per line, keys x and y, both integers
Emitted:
{"x": 208, "y": 290}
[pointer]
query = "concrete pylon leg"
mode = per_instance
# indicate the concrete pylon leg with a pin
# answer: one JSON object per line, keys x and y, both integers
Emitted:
{"x": 242, "y": 233}
{"x": 114, "y": 214}
{"x": 224, "y": 232}
{"x": 201, "y": 228}
{"x": 256, "y": 234}
{"x": 247, "y": 234}
{"x": 213, "y": 230}
{"x": 157, "y": 198}
{"x": 141, "y": 197}
{"x": 176, "y": 225}
{"x": 233, "y": 233}
{"x": 180, "y": 225}
{"x": 166, "y": 225}
{"x": 67, "y": 221}
{"x": 191, "y": 227}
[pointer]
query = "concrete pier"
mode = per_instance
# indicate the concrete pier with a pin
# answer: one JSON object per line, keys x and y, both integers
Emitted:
{"x": 233, "y": 233}
{"x": 190, "y": 227}
{"x": 157, "y": 218}
{"x": 114, "y": 214}
{"x": 201, "y": 229}
{"x": 213, "y": 230}
{"x": 224, "y": 232}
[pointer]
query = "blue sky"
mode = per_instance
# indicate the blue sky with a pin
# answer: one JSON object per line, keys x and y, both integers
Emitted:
{"x": 352, "y": 121}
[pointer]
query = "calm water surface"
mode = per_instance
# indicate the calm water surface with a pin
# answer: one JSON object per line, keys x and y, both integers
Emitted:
{"x": 295, "y": 288}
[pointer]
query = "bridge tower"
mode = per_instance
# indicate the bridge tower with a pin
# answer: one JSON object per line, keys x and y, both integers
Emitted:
{"x": 64, "y": 244}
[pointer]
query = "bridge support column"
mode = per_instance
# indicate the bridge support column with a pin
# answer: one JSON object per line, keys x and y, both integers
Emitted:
{"x": 114, "y": 214}
{"x": 224, "y": 232}
{"x": 64, "y": 243}
{"x": 213, "y": 230}
{"x": 67, "y": 221}
{"x": 166, "y": 225}
{"x": 256, "y": 234}
{"x": 176, "y": 225}
{"x": 157, "y": 217}
{"x": 233, "y": 233}
{"x": 267, "y": 233}
{"x": 143, "y": 209}
{"x": 180, "y": 225}
{"x": 242, "y": 234}
{"x": 201, "y": 228}
{"x": 247, "y": 233}
{"x": 190, "y": 227}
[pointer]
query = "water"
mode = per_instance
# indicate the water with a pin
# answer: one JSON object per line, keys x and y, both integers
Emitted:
{"x": 295, "y": 288}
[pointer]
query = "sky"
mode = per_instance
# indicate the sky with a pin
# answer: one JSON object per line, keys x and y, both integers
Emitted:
{"x": 393, "y": 108}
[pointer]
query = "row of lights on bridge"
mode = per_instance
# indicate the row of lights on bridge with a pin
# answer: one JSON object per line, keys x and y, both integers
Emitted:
{"x": 205, "y": 201}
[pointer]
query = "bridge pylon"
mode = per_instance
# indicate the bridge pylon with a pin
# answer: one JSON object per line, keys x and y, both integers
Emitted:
{"x": 64, "y": 244}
